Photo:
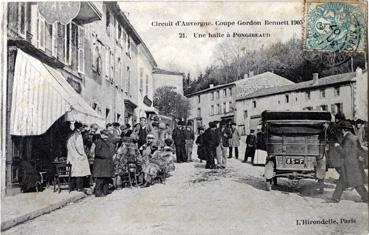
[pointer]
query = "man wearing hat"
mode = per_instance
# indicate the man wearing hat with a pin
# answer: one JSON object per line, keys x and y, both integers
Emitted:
{"x": 103, "y": 163}
{"x": 234, "y": 142}
{"x": 351, "y": 171}
{"x": 224, "y": 134}
{"x": 178, "y": 137}
{"x": 143, "y": 130}
{"x": 189, "y": 139}
{"x": 250, "y": 146}
{"x": 211, "y": 142}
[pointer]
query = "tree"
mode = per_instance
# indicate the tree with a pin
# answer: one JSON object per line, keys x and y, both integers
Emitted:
{"x": 170, "y": 103}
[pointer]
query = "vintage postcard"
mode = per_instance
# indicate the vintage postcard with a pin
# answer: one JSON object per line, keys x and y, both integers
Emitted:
{"x": 184, "y": 117}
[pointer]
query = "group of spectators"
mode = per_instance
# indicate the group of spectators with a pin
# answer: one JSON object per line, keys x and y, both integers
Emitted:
{"x": 103, "y": 155}
{"x": 214, "y": 142}
{"x": 348, "y": 154}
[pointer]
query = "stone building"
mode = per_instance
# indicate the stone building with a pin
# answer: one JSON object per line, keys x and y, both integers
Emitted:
{"x": 86, "y": 70}
{"x": 46, "y": 76}
{"x": 337, "y": 93}
{"x": 168, "y": 78}
{"x": 218, "y": 102}
{"x": 146, "y": 66}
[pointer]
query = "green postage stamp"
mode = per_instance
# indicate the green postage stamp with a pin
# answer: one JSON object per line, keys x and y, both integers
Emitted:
{"x": 335, "y": 26}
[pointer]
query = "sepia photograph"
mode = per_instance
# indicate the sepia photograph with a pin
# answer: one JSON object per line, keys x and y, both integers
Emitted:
{"x": 184, "y": 117}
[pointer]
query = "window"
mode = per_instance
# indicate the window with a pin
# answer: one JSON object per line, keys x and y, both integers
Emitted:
{"x": 324, "y": 107}
{"x": 128, "y": 50}
{"x": 212, "y": 110}
{"x": 54, "y": 40}
{"x": 60, "y": 38}
{"x": 218, "y": 109}
{"x": 81, "y": 50}
{"x": 230, "y": 106}
{"x": 107, "y": 63}
{"x": 68, "y": 44}
{"x": 96, "y": 60}
{"x": 245, "y": 114}
{"x": 287, "y": 97}
{"x": 141, "y": 80}
{"x": 254, "y": 103}
{"x": 308, "y": 108}
{"x": 224, "y": 93}
{"x": 339, "y": 107}
{"x": 230, "y": 92}
{"x": 322, "y": 93}
{"x": 41, "y": 32}
{"x": 118, "y": 74}
{"x": 147, "y": 84}
{"x": 111, "y": 63}
{"x": 218, "y": 96}
{"x": 307, "y": 95}
{"x": 119, "y": 34}
{"x": 118, "y": 117}
{"x": 107, "y": 111}
{"x": 107, "y": 22}
{"x": 212, "y": 96}
{"x": 336, "y": 91}
{"x": 128, "y": 80}
{"x": 198, "y": 99}
{"x": 198, "y": 112}
{"x": 22, "y": 19}
{"x": 224, "y": 107}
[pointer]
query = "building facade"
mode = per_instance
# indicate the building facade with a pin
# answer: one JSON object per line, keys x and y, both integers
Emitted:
{"x": 146, "y": 66}
{"x": 218, "y": 102}
{"x": 46, "y": 73}
{"x": 168, "y": 78}
{"x": 212, "y": 104}
{"x": 111, "y": 66}
{"x": 87, "y": 70}
{"x": 337, "y": 93}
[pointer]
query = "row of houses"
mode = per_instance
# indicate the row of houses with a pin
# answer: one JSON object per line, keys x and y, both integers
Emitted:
{"x": 243, "y": 101}
{"x": 94, "y": 69}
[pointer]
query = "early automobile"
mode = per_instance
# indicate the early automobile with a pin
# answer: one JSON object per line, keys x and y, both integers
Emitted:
{"x": 295, "y": 142}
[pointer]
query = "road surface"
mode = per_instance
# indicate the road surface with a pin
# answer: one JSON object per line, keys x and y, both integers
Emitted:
{"x": 199, "y": 201}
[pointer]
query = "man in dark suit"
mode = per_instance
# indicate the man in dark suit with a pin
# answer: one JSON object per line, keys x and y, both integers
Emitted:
{"x": 250, "y": 146}
{"x": 211, "y": 142}
{"x": 142, "y": 132}
{"x": 351, "y": 172}
{"x": 103, "y": 164}
{"x": 178, "y": 137}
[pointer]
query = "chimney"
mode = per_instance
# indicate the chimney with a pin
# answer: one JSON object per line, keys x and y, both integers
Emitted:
{"x": 245, "y": 76}
{"x": 251, "y": 74}
{"x": 211, "y": 85}
{"x": 359, "y": 72}
{"x": 315, "y": 78}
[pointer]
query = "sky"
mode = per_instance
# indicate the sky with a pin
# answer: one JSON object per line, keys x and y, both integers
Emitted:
{"x": 192, "y": 54}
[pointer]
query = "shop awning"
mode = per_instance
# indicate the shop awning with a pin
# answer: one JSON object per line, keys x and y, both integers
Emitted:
{"x": 41, "y": 95}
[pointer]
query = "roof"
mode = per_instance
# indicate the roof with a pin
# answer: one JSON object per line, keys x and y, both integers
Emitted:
{"x": 262, "y": 81}
{"x": 321, "y": 82}
{"x": 162, "y": 71}
{"x": 211, "y": 88}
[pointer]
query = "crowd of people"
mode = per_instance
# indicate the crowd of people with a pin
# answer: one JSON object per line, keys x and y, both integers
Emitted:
{"x": 214, "y": 143}
{"x": 106, "y": 154}
{"x": 103, "y": 156}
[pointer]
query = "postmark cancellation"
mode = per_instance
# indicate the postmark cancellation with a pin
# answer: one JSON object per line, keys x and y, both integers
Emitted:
{"x": 338, "y": 26}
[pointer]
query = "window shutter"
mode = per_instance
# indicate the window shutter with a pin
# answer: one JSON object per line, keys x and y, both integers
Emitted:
{"x": 81, "y": 49}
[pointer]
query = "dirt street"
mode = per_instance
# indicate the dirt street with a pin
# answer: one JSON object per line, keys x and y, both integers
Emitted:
{"x": 199, "y": 201}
